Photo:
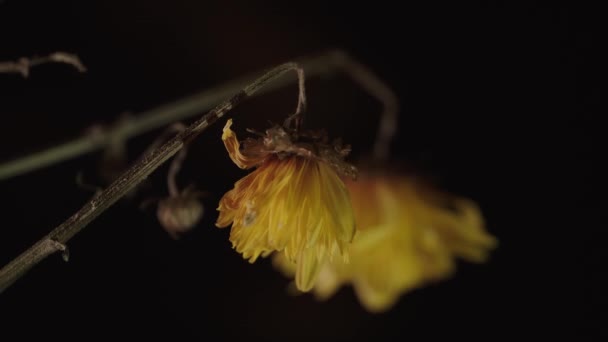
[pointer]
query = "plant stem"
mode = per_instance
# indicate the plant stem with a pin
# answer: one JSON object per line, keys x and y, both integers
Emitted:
{"x": 323, "y": 64}
{"x": 150, "y": 120}
{"x": 57, "y": 238}
{"x": 387, "y": 129}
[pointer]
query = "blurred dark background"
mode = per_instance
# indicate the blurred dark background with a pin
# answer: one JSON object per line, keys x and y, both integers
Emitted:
{"x": 500, "y": 103}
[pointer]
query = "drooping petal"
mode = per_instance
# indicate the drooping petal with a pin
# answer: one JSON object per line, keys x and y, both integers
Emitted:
{"x": 458, "y": 222}
{"x": 307, "y": 269}
{"x": 242, "y": 160}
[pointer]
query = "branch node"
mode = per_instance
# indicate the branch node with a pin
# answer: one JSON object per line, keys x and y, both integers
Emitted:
{"x": 58, "y": 246}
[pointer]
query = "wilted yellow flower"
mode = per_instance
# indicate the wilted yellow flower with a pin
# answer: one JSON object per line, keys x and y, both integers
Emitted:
{"x": 294, "y": 201}
{"x": 408, "y": 236}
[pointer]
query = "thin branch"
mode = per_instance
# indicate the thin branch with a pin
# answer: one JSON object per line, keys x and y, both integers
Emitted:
{"x": 298, "y": 116}
{"x": 137, "y": 173}
{"x": 176, "y": 163}
{"x": 382, "y": 92}
{"x": 325, "y": 64}
{"x": 23, "y": 65}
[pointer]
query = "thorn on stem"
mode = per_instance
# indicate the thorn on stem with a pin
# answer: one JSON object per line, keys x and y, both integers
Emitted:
{"x": 58, "y": 246}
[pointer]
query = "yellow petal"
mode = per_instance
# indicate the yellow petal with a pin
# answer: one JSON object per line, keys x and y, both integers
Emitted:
{"x": 373, "y": 300}
{"x": 295, "y": 205}
{"x": 307, "y": 269}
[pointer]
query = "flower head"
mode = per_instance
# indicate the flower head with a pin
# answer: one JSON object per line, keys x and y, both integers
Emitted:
{"x": 294, "y": 201}
{"x": 409, "y": 235}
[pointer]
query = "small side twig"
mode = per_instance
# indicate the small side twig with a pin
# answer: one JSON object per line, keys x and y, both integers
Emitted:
{"x": 174, "y": 168}
{"x": 382, "y": 92}
{"x": 298, "y": 116}
{"x": 176, "y": 164}
{"x": 23, "y": 65}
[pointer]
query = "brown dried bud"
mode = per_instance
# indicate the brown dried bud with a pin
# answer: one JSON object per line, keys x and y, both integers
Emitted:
{"x": 179, "y": 214}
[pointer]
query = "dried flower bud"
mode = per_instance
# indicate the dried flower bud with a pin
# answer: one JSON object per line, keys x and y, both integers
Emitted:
{"x": 179, "y": 214}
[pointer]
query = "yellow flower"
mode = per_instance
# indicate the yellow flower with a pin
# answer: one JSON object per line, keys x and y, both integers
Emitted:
{"x": 292, "y": 202}
{"x": 409, "y": 236}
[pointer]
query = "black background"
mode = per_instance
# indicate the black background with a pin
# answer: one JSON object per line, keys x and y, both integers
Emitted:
{"x": 500, "y": 103}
